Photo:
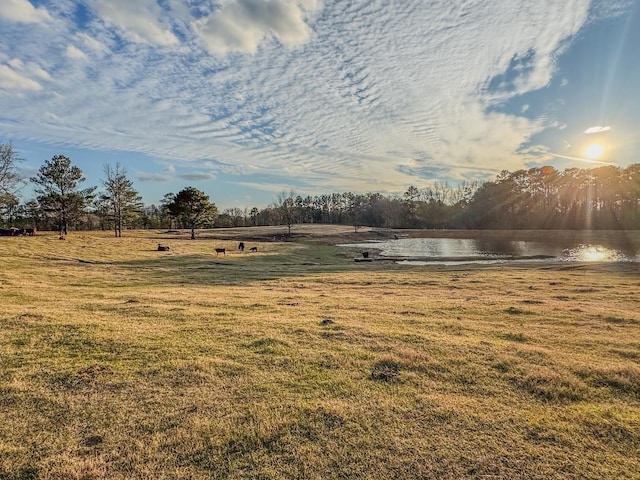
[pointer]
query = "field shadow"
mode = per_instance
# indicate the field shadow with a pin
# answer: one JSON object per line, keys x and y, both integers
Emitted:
{"x": 239, "y": 269}
{"x": 304, "y": 260}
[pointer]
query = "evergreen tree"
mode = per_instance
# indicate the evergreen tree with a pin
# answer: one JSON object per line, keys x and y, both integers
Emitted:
{"x": 58, "y": 192}
{"x": 193, "y": 208}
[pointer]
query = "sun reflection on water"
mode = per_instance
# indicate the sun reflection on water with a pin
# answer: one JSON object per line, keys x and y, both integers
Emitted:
{"x": 593, "y": 253}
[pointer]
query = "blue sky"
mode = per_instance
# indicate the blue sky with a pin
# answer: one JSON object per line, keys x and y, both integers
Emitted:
{"x": 246, "y": 98}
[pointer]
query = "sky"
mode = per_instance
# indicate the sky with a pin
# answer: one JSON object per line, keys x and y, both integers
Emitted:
{"x": 245, "y": 99}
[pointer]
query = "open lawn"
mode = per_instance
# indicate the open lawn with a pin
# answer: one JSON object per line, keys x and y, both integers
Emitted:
{"x": 119, "y": 361}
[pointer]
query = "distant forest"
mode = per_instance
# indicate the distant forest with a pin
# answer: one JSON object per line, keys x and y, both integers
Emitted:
{"x": 606, "y": 197}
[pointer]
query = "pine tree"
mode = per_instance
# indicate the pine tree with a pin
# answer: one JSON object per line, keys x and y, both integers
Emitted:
{"x": 58, "y": 191}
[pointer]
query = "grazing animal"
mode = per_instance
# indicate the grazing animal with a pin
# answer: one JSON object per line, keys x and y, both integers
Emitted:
{"x": 365, "y": 254}
{"x": 163, "y": 248}
{"x": 222, "y": 251}
{"x": 241, "y": 246}
{"x": 6, "y": 232}
{"x": 253, "y": 249}
{"x": 30, "y": 231}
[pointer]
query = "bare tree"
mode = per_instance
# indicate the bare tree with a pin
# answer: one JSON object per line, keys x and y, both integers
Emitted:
{"x": 9, "y": 177}
{"x": 122, "y": 200}
{"x": 285, "y": 204}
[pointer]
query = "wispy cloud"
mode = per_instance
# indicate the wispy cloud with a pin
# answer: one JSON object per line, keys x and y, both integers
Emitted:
{"x": 12, "y": 80}
{"x": 196, "y": 176}
{"x": 592, "y": 130}
{"x": 141, "y": 21}
{"x": 582, "y": 159}
{"x": 23, "y": 11}
{"x": 242, "y": 25}
{"x": 335, "y": 95}
{"x": 169, "y": 173}
{"x": 151, "y": 177}
{"x": 74, "y": 52}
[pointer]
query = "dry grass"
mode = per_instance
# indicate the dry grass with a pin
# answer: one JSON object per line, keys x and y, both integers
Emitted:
{"x": 119, "y": 361}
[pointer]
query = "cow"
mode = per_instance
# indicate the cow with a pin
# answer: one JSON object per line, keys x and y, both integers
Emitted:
{"x": 241, "y": 246}
{"x": 30, "y": 231}
{"x": 163, "y": 248}
{"x": 253, "y": 249}
{"x": 222, "y": 251}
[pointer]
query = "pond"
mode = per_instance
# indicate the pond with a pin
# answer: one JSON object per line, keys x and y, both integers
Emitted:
{"x": 417, "y": 251}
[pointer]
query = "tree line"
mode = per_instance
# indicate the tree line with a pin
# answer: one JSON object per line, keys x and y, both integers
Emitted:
{"x": 606, "y": 197}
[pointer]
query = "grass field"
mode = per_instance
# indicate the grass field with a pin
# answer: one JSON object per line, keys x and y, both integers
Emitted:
{"x": 119, "y": 361}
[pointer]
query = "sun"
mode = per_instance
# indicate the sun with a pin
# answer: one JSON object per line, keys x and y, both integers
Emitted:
{"x": 593, "y": 151}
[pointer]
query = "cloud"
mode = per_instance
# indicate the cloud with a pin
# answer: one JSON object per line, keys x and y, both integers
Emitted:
{"x": 168, "y": 175}
{"x": 273, "y": 187}
{"x": 242, "y": 25}
{"x": 592, "y": 130}
{"x": 140, "y": 21}
{"x": 16, "y": 63}
{"x": 151, "y": 177}
{"x": 93, "y": 44}
{"x": 12, "y": 80}
{"x": 23, "y": 11}
{"x": 75, "y": 52}
{"x": 196, "y": 176}
{"x": 359, "y": 90}
{"x": 30, "y": 69}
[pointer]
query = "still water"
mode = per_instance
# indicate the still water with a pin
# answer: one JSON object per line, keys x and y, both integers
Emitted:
{"x": 429, "y": 250}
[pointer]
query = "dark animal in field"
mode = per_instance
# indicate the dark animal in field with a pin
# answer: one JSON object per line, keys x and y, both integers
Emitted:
{"x": 241, "y": 246}
{"x": 163, "y": 248}
{"x": 365, "y": 254}
{"x": 222, "y": 251}
{"x": 16, "y": 232}
{"x": 253, "y": 249}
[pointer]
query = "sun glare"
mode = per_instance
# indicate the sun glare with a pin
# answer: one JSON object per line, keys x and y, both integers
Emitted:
{"x": 593, "y": 151}
{"x": 594, "y": 253}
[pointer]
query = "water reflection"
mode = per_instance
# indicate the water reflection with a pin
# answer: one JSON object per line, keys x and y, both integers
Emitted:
{"x": 487, "y": 250}
{"x": 499, "y": 247}
{"x": 460, "y": 247}
{"x": 594, "y": 253}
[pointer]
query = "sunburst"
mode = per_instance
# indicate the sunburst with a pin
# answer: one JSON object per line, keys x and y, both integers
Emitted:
{"x": 594, "y": 151}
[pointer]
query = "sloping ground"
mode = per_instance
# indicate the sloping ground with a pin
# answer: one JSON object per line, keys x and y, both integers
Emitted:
{"x": 119, "y": 361}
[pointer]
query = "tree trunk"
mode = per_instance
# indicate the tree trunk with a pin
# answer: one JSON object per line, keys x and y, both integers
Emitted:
{"x": 193, "y": 231}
